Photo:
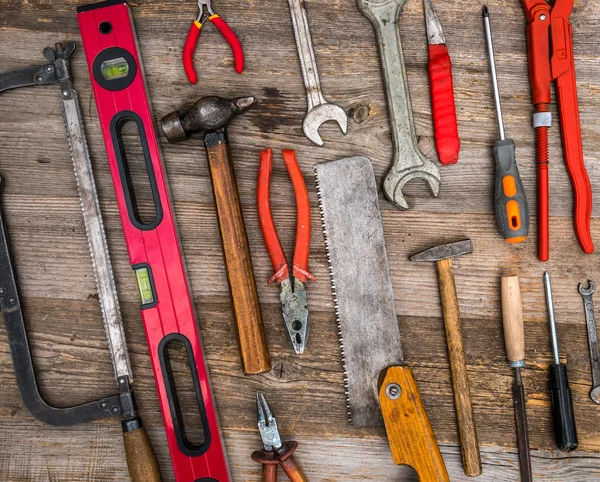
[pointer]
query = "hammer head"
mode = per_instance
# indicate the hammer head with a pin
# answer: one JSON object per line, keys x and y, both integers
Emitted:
{"x": 445, "y": 251}
{"x": 208, "y": 115}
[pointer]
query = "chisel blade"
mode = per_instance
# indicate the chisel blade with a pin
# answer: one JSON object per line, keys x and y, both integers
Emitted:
{"x": 360, "y": 278}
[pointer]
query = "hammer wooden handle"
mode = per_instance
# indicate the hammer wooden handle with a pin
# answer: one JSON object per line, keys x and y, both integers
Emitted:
{"x": 246, "y": 307}
{"x": 458, "y": 369}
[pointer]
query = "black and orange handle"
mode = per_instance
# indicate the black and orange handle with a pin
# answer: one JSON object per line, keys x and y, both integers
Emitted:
{"x": 510, "y": 201}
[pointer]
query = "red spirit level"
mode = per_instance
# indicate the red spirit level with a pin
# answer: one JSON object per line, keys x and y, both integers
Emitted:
{"x": 167, "y": 308}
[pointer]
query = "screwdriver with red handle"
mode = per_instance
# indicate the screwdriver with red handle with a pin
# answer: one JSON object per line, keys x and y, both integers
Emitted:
{"x": 443, "y": 108}
{"x": 510, "y": 201}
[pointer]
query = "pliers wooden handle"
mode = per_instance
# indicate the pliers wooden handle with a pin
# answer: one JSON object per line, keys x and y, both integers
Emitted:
{"x": 194, "y": 33}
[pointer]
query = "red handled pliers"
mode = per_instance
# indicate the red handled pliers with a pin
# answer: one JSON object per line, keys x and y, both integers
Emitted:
{"x": 293, "y": 290}
{"x": 194, "y": 33}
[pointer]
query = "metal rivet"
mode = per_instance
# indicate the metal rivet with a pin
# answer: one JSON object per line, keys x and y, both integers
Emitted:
{"x": 104, "y": 404}
{"x": 542, "y": 17}
{"x": 40, "y": 78}
{"x": 2, "y": 291}
{"x": 11, "y": 299}
{"x": 65, "y": 93}
{"x": 48, "y": 69}
{"x": 116, "y": 410}
{"x": 393, "y": 391}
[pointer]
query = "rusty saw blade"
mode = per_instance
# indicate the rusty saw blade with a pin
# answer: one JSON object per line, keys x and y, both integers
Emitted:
{"x": 377, "y": 382}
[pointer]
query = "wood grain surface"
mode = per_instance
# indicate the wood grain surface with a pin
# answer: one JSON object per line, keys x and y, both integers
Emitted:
{"x": 306, "y": 392}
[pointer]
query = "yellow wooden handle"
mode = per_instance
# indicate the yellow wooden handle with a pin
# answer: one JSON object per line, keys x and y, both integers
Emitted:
{"x": 512, "y": 317}
{"x": 409, "y": 432}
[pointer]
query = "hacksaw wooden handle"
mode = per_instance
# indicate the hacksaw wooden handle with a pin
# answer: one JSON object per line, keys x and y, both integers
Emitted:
{"x": 238, "y": 264}
{"x": 467, "y": 431}
{"x": 141, "y": 459}
{"x": 409, "y": 432}
{"x": 512, "y": 318}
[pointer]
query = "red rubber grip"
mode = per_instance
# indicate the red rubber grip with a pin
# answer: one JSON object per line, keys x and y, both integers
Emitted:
{"x": 234, "y": 42}
{"x": 188, "y": 51}
{"x": 442, "y": 102}
{"x": 265, "y": 217}
{"x": 302, "y": 247}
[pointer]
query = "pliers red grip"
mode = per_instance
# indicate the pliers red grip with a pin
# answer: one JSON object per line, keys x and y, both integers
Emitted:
{"x": 302, "y": 247}
{"x": 194, "y": 33}
{"x": 293, "y": 290}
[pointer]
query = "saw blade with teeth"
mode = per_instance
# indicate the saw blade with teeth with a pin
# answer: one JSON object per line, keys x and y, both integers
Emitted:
{"x": 360, "y": 280}
{"x": 94, "y": 227}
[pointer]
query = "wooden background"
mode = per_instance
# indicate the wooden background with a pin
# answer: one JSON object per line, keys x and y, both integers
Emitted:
{"x": 52, "y": 259}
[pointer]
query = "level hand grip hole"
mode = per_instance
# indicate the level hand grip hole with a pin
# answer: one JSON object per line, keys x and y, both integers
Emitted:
{"x": 183, "y": 389}
{"x": 136, "y": 170}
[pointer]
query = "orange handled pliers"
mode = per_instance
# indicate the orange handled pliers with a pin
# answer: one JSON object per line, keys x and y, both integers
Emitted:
{"x": 293, "y": 290}
{"x": 194, "y": 33}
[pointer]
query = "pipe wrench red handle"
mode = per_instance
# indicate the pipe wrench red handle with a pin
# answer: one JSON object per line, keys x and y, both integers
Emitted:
{"x": 550, "y": 48}
{"x": 167, "y": 305}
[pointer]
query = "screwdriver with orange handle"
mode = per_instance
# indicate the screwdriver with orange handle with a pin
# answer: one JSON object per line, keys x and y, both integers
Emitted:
{"x": 512, "y": 210}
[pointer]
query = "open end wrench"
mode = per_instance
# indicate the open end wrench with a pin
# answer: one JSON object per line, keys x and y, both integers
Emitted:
{"x": 408, "y": 162}
{"x": 319, "y": 110}
{"x": 592, "y": 338}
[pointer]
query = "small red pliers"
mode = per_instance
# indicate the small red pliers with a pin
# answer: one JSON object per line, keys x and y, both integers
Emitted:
{"x": 194, "y": 34}
{"x": 293, "y": 290}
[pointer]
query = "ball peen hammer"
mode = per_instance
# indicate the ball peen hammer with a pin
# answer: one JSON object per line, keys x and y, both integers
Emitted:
{"x": 210, "y": 117}
{"x": 442, "y": 256}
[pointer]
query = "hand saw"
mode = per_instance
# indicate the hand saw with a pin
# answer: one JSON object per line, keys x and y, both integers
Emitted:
{"x": 140, "y": 456}
{"x": 376, "y": 378}
{"x": 155, "y": 254}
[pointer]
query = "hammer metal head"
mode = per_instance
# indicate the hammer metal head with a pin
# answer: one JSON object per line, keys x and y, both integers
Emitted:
{"x": 208, "y": 115}
{"x": 445, "y": 251}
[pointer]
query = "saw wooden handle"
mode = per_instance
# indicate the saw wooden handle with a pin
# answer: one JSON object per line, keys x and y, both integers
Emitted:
{"x": 467, "y": 431}
{"x": 409, "y": 432}
{"x": 141, "y": 459}
{"x": 238, "y": 264}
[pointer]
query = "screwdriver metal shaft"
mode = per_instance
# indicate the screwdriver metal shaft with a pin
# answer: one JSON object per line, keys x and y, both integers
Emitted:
{"x": 510, "y": 201}
{"x": 563, "y": 414}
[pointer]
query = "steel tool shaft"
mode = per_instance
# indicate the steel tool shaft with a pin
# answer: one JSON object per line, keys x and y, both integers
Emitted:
{"x": 590, "y": 319}
{"x": 561, "y": 398}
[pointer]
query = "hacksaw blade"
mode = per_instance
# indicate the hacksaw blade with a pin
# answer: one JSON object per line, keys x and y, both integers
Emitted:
{"x": 360, "y": 279}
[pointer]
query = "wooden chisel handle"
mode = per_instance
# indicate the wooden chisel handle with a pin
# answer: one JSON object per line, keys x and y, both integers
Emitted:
{"x": 458, "y": 370}
{"x": 244, "y": 295}
{"x": 411, "y": 438}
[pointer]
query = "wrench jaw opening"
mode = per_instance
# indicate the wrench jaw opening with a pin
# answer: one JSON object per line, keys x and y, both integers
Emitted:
{"x": 400, "y": 175}
{"x": 320, "y": 114}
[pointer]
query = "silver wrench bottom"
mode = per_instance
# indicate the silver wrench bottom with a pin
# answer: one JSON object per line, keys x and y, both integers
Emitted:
{"x": 592, "y": 338}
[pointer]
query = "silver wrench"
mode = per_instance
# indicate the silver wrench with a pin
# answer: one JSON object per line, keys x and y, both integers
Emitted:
{"x": 592, "y": 338}
{"x": 319, "y": 110}
{"x": 408, "y": 162}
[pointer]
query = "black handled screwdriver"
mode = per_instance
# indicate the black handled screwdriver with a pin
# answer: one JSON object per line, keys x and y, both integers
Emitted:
{"x": 510, "y": 201}
{"x": 563, "y": 415}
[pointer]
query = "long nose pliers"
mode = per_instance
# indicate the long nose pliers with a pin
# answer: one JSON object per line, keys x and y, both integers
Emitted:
{"x": 293, "y": 290}
{"x": 275, "y": 452}
{"x": 194, "y": 33}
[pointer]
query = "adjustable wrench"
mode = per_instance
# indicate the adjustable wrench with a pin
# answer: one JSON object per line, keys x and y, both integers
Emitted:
{"x": 592, "y": 338}
{"x": 408, "y": 162}
{"x": 319, "y": 110}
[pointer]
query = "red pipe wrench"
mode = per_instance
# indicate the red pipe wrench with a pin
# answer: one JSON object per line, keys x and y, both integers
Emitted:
{"x": 550, "y": 49}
